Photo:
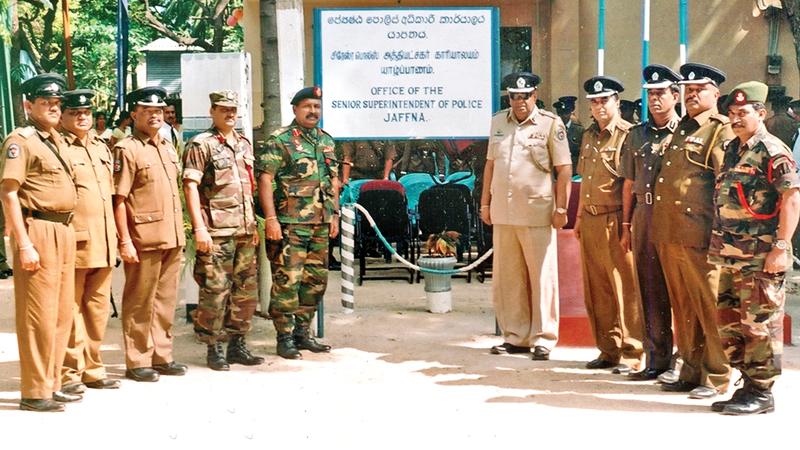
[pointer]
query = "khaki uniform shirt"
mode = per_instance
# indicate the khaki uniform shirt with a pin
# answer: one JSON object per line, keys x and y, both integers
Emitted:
{"x": 641, "y": 156}
{"x": 598, "y": 166}
{"x": 368, "y": 158}
{"x": 95, "y": 234}
{"x": 223, "y": 170}
{"x": 684, "y": 205}
{"x": 44, "y": 183}
{"x": 146, "y": 174}
{"x": 524, "y": 156}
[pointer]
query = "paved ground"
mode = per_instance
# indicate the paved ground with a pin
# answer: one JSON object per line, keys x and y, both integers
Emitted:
{"x": 398, "y": 377}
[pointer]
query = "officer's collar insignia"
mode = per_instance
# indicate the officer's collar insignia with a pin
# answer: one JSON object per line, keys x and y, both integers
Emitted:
{"x": 691, "y": 75}
{"x": 520, "y": 82}
{"x": 598, "y": 86}
{"x": 13, "y": 151}
{"x": 655, "y": 76}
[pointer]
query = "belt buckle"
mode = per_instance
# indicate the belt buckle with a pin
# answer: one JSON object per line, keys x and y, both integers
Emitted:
{"x": 69, "y": 219}
{"x": 648, "y": 198}
{"x": 593, "y": 210}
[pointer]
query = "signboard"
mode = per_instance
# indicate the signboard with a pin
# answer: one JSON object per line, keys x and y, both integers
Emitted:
{"x": 407, "y": 73}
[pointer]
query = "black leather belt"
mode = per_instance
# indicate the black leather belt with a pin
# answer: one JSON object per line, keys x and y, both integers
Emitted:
{"x": 57, "y": 217}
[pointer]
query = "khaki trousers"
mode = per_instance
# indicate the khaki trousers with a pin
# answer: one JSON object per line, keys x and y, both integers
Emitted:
{"x": 82, "y": 362}
{"x": 148, "y": 307}
{"x": 693, "y": 284}
{"x": 610, "y": 291}
{"x": 44, "y": 301}
{"x": 525, "y": 284}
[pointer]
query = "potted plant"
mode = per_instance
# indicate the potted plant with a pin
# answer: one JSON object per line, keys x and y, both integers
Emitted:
{"x": 441, "y": 255}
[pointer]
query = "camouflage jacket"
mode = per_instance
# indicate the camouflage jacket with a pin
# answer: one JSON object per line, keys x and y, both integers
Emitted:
{"x": 747, "y": 200}
{"x": 302, "y": 162}
{"x": 223, "y": 169}
{"x": 368, "y": 158}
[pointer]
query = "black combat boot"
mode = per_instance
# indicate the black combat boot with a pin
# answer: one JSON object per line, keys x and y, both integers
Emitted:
{"x": 215, "y": 358}
{"x": 238, "y": 352}
{"x": 737, "y": 395}
{"x": 286, "y": 348}
{"x": 754, "y": 401}
{"x": 304, "y": 341}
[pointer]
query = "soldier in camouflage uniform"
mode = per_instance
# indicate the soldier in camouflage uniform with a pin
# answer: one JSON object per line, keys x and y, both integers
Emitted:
{"x": 218, "y": 184}
{"x": 757, "y": 203}
{"x": 303, "y": 213}
{"x": 370, "y": 160}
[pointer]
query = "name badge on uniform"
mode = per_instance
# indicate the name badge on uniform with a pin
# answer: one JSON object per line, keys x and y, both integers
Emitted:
{"x": 695, "y": 140}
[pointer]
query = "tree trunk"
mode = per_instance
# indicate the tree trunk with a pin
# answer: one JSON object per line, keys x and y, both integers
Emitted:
{"x": 270, "y": 66}
{"x": 792, "y": 10}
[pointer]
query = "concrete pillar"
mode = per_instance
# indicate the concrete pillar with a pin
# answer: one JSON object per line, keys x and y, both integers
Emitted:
{"x": 291, "y": 53}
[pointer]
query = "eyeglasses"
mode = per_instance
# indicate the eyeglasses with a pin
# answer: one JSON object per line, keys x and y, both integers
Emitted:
{"x": 519, "y": 95}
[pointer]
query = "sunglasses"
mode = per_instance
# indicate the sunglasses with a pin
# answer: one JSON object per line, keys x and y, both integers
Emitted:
{"x": 520, "y": 95}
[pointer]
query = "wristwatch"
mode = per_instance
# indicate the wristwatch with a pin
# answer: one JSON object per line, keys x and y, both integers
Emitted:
{"x": 561, "y": 210}
{"x": 781, "y": 244}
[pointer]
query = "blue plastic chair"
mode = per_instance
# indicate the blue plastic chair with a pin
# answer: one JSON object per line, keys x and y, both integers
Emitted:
{"x": 464, "y": 177}
{"x": 351, "y": 190}
{"x": 414, "y": 184}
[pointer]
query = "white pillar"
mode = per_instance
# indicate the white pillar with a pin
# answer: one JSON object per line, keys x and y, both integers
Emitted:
{"x": 291, "y": 53}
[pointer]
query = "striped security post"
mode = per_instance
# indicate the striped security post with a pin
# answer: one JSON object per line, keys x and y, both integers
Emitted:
{"x": 348, "y": 256}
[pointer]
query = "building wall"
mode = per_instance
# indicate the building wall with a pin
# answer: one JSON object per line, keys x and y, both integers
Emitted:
{"x": 723, "y": 33}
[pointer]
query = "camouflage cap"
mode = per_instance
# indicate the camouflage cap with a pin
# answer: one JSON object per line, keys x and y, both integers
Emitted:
{"x": 748, "y": 92}
{"x": 224, "y": 98}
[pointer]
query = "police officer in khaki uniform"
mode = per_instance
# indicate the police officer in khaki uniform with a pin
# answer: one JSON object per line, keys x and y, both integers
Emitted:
{"x": 38, "y": 197}
{"x": 96, "y": 239}
{"x": 682, "y": 215}
{"x": 609, "y": 284}
{"x": 640, "y": 164}
{"x": 757, "y": 204}
{"x": 149, "y": 218}
{"x": 527, "y": 147}
{"x": 218, "y": 182}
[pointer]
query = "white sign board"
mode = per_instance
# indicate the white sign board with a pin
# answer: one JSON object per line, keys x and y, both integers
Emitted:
{"x": 407, "y": 73}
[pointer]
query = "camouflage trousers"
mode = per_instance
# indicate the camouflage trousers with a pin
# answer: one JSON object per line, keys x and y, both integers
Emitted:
{"x": 228, "y": 288}
{"x": 750, "y": 317}
{"x": 299, "y": 276}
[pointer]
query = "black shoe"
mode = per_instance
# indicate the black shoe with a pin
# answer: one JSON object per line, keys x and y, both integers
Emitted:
{"x": 286, "y": 348}
{"x": 5, "y": 271}
{"x": 506, "y": 348}
{"x": 40, "y": 405}
{"x": 621, "y": 369}
{"x": 333, "y": 264}
{"x": 63, "y": 397}
{"x": 215, "y": 358}
{"x": 754, "y": 401}
{"x": 142, "y": 374}
{"x": 104, "y": 383}
{"x": 670, "y": 376}
{"x": 303, "y": 340}
{"x": 74, "y": 388}
{"x": 540, "y": 353}
{"x": 703, "y": 393}
{"x": 678, "y": 386}
{"x": 600, "y": 363}
{"x": 735, "y": 398}
{"x": 172, "y": 368}
{"x": 238, "y": 353}
{"x": 645, "y": 375}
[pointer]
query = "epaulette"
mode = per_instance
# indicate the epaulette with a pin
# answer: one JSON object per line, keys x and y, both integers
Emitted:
{"x": 27, "y": 132}
{"x": 203, "y": 135}
{"x": 241, "y": 136}
{"x": 279, "y": 131}
{"x": 504, "y": 112}
{"x": 722, "y": 118}
{"x": 775, "y": 146}
{"x": 325, "y": 132}
{"x": 624, "y": 125}
{"x": 547, "y": 113}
